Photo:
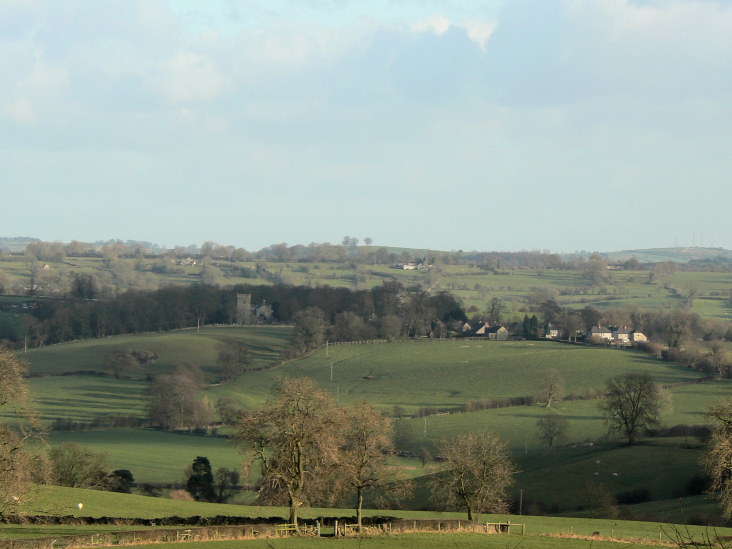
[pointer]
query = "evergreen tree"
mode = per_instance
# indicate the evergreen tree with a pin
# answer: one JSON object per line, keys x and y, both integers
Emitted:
{"x": 201, "y": 482}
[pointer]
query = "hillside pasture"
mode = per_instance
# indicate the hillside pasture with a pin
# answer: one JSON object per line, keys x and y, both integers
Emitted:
{"x": 685, "y": 405}
{"x": 172, "y": 348}
{"x": 448, "y": 374}
{"x": 659, "y": 469}
{"x": 87, "y": 397}
{"x": 152, "y": 455}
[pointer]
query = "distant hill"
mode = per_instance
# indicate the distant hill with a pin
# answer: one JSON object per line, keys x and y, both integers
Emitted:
{"x": 16, "y": 243}
{"x": 680, "y": 255}
{"x": 651, "y": 255}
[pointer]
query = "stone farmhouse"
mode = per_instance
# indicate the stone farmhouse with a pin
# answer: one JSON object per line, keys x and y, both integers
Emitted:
{"x": 497, "y": 333}
{"x": 617, "y": 335}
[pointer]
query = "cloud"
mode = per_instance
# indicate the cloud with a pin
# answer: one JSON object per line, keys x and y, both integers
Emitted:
{"x": 191, "y": 77}
{"x": 434, "y": 23}
{"x": 30, "y": 95}
{"x": 480, "y": 31}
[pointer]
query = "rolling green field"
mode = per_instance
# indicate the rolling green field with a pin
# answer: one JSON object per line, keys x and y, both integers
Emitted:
{"x": 173, "y": 348}
{"x": 447, "y": 374}
{"x": 411, "y": 374}
{"x": 72, "y": 381}
{"x": 154, "y": 456}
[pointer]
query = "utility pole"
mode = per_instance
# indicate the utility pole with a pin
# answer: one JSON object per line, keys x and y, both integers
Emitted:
{"x": 521, "y": 501}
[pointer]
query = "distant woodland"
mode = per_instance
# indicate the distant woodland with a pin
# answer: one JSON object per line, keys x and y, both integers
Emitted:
{"x": 55, "y": 292}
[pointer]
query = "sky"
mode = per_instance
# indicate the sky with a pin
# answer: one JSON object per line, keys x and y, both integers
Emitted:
{"x": 594, "y": 125}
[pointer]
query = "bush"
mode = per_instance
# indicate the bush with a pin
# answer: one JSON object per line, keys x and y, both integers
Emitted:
{"x": 697, "y": 485}
{"x": 120, "y": 480}
{"x": 78, "y": 466}
{"x": 702, "y": 432}
{"x": 181, "y": 495}
{"x": 151, "y": 490}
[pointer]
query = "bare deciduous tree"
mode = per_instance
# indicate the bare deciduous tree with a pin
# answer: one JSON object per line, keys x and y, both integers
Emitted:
{"x": 15, "y": 460}
{"x": 233, "y": 358}
{"x": 478, "y": 471}
{"x": 718, "y": 459}
{"x": 294, "y": 440}
{"x": 552, "y": 388}
{"x": 367, "y": 441}
{"x": 718, "y": 356}
{"x": 632, "y": 403}
{"x": 225, "y": 483}
{"x": 552, "y": 427}
{"x": 173, "y": 403}
{"x": 78, "y": 466}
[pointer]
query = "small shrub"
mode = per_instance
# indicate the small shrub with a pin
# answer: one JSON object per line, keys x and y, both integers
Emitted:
{"x": 150, "y": 490}
{"x": 181, "y": 495}
{"x": 697, "y": 485}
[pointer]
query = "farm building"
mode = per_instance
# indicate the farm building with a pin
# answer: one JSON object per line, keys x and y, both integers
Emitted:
{"x": 551, "y": 331}
{"x": 499, "y": 333}
{"x": 600, "y": 332}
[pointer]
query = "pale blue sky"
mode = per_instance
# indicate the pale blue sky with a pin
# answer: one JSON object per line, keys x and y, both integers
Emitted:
{"x": 492, "y": 125}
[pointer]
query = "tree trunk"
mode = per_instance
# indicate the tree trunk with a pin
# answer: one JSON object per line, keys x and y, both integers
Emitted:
{"x": 359, "y": 509}
{"x": 293, "y": 513}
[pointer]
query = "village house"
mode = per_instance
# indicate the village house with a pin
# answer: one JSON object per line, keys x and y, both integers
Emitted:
{"x": 600, "y": 333}
{"x": 621, "y": 335}
{"x": 637, "y": 337}
{"x": 497, "y": 333}
{"x": 551, "y": 331}
{"x": 616, "y": 335}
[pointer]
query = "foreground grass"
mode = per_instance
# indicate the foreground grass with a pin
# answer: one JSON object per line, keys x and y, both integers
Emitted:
{"x": 406, "y": 541}
{"x": 53, "y": 500}
{"x": 415, "y": 540}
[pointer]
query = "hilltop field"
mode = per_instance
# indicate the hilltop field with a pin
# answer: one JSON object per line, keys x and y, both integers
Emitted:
{"x": 429, "y": 384}
{"x": 701, "y": 290}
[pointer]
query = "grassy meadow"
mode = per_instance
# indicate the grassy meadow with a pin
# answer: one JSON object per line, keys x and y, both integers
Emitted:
{"x": 70, "y": 381}
{"x": 447, "y": 374}
{"x": 173, "y": 348}
{"x": 154, "y": 456}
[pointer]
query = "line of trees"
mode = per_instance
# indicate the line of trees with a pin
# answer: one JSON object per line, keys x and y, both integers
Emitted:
{"x": 340, "y": 314}
{"x": 306, "y": 449}
{"x": 349, "y": 250}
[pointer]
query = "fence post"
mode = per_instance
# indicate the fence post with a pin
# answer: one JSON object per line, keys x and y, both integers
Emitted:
{"x": 336, "y": 528}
